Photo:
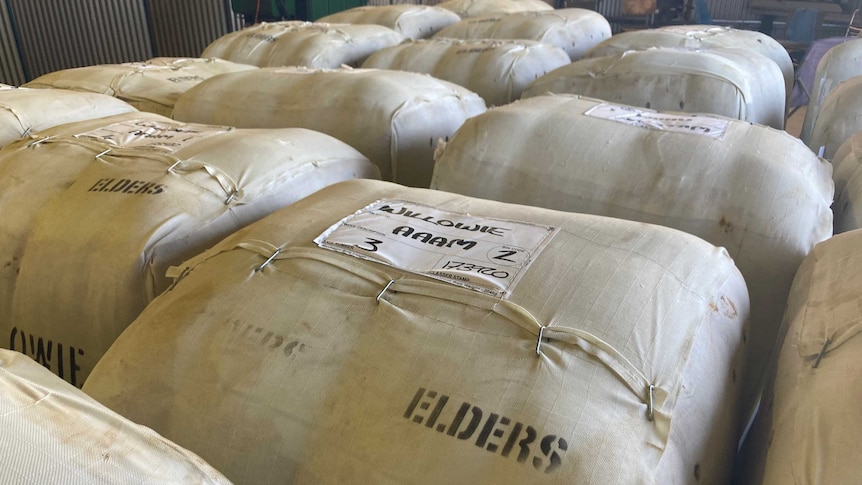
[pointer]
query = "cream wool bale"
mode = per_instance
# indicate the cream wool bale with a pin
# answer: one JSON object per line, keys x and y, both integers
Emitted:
{"x": 815, "y": 420}
{"x": 424, "y": 369}
{"x": 575, "y": 30}
{"x": 702, "y": 37}
{"x": 840, "y": 63}
{"x": 846, "y": 161}
{"x": 51, "y": 432}
{"x": 394, "y": 118}
{"x": 840, "y": 117}
{"x": 726, "y": 82}
{"x": 496, "y": 70}
{"x": 847, "y": 208}
{"x": 293, "y": 43}
{"x": 147, "y": 194}
{"x": 28, "y": 180}
{"x": 478, "y": 8}
{"x": 151, "y": 86}
{"x": 411, "y": 21}
{"x": 756, "y": 191}
{"x": 23, "y": 111}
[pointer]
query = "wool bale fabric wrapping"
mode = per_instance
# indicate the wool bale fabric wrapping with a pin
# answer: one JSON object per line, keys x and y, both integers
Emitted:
{"x": 703, "y": 37}
{"x": 51, "y": 432}
{"x": 814, "y": 420}
{"x": 373, "y": 332}
{"x": 294, "y": 43}
{"x": 756, "y": 191}
{"x": 496, "y": 70}
{"x": 151, "y": 86}
{"x": 726, "y": 82}
{"x": 411, "y": 21}
{"x": 840, "y": 63}
{"x": 477, "y": 8}
{"x": 110, "y": 207}
{"x": 847, "y": 208}
{"x": 24, "y": 111}
{"x": 394, "y": 118}
{"x": 840, "y": 118}
{"x": 575, "y": 30}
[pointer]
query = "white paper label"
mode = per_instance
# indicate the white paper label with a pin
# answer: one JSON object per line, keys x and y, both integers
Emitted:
{"x": 153, "y": 134}
{"x": 695, "y": 124}
{"x": 483, "y": 254}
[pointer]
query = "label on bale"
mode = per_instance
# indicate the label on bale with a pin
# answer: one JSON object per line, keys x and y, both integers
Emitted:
{"x": 153, "y": 134}
{"x": 483, "y": 254}
{"x": 702, "y": 125}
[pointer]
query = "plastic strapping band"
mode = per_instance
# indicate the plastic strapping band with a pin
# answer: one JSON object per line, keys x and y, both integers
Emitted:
{"x": 539, "y": 341}
{"x": 171, "y": 168}
{"x": 268, "y": 260}
{"x": 650, "y": 415}
{"x": 380, "y": 295}
{"x": 822, "y": 353}
{"x": 104, "y": 152}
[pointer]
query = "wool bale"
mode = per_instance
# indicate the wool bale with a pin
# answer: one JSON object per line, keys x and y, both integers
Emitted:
{"x": 151, "y": 86}
{"x": 575, "y": 30}
{"x": 101, "y": 211}
{"x": 756, "y": 191}
{"x": 23, "y": 111}
{"x": 846, "y": 161}
{"x": 840, "y": 117}
{"x": 726, "y": 82}
{"x": 394, "y": 118}
{"x": 813, "y": 419}
{"x": 703, "y": 37}
{"x": 477, "y": 8}
{"x": 496, "y": 70}
{"x": 295, "y": 43}
{"x": 847, "y": 208}
{"x": 376, "y": 333}
{"x": 51, "y": 432}
{"x": 411, "y": 21}
{"x": 840, "y": 63}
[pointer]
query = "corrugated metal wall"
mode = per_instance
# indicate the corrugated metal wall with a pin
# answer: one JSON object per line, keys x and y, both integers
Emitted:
{"x": 58, "y": 34}
{"x": 11, "y": 70}
{"x": 185, "y": 28}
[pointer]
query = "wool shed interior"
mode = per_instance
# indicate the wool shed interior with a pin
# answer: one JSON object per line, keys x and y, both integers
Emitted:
{"x": 430, "y": 241}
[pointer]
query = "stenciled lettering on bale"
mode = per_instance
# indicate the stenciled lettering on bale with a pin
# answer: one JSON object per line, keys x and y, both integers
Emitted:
{"x": 42, "y": 351}
{"x": 552, "y": 447}
{"x": 127, "y": 186}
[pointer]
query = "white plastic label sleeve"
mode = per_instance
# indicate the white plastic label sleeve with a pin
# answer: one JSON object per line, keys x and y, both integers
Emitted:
{"x": 486, "y": 255}
{"x": 153, "y": 134}
{"x": 696, "y": 124}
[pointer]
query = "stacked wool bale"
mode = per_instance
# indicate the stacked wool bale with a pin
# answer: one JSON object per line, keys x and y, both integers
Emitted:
{"x": 729, "y": 82}
{"x": 756, "y": 191}
{"x": 496, "y": 70}
{"x": 839, "y": 64}
{"x": 840, "y": 117}
{"x": 374, "y": 333}
{"x": 478, "y": 8}
{"x": 575, "y": 30}
{"x": 294, "y": 43}
{"x": 51, "y": 432}
{"x": 95, "y": 212}
{"x": 703, "y": 37}
{"x": 847, "y": 208}
{"x": 151, "y": 86}
{"x": 811, "y": 419}
{"x": 411, "y": 21}
{"x": 24, "y": 111}
{"x": 394, "y": 118}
